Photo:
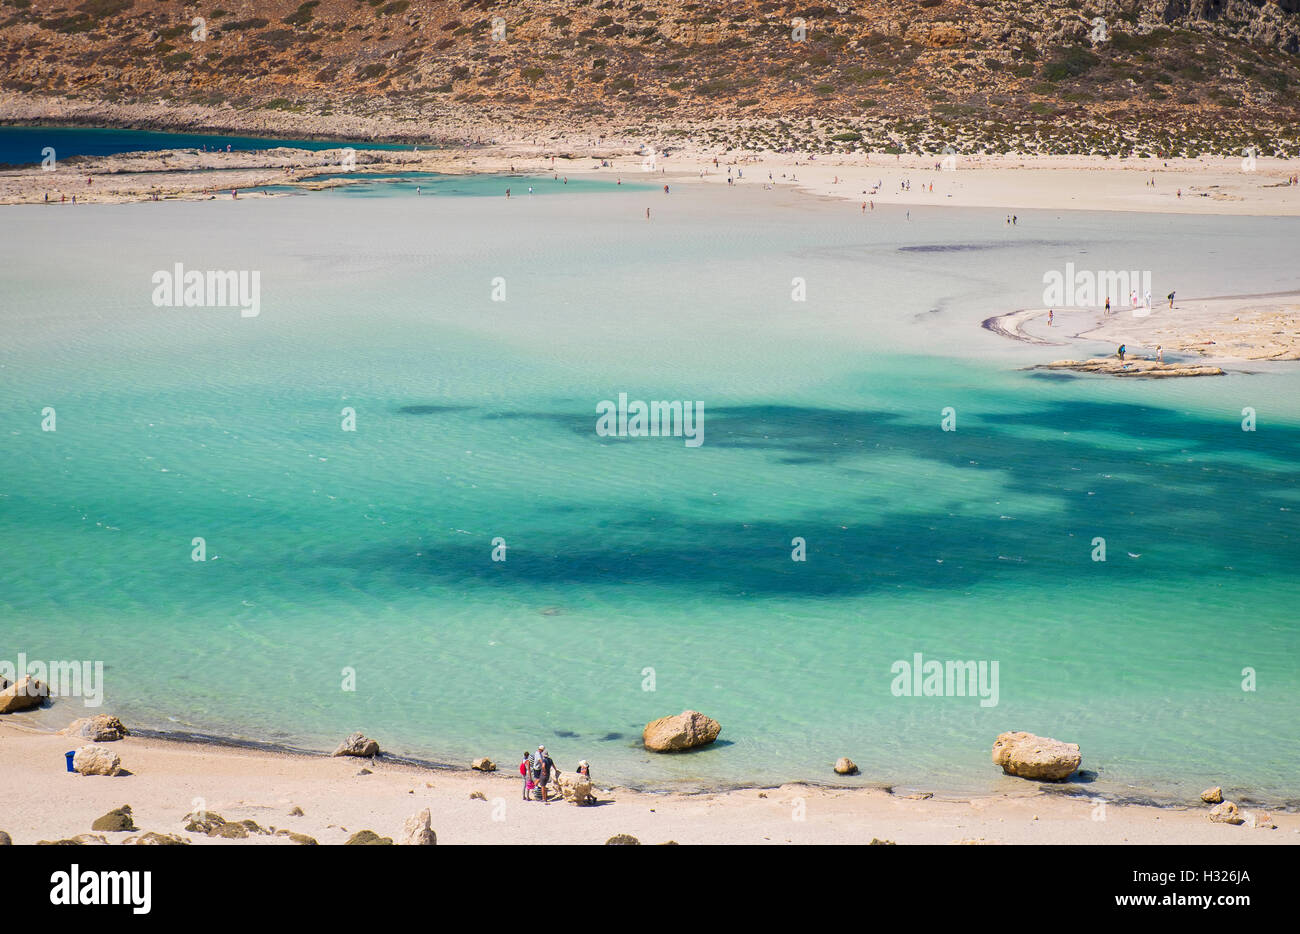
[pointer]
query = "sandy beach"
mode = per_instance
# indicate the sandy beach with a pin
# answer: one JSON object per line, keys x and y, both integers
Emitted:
{"x": 167, "y": 780}
{"x": 1207, "y": 185}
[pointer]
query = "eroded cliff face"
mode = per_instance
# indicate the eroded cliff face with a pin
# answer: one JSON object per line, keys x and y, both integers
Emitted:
{"x": 976, "y": 69}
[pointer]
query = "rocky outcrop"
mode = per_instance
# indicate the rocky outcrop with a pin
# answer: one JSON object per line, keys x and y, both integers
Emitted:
{"x": 1028, "y": 756}
{"x": 687, "y": 730}
{"x": 417, "y": 832}
{"x": 116, "y": 820}
{"x": 483, "y": 765}
{"x": 81, "y": 839}
{"x": 1212, "y": 795}
{"x": 96, "y": 760}
{"x": 100, "y": 728}
{"x": 1225, "y": 813}
{"x": 26, "y": 694}
{"x": 622, "y": 839}
{"x": 299, "y": 838}
{"x": 5, "y": 839}
{"x": 845, "y": 766}
{"x": 1145, "y": 369}
{"x": 358, "y": 744}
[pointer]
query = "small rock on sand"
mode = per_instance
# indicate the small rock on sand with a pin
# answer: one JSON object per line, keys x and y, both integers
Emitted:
{"x": 1212, "y": 795}
{"x": 296, "y": 811}
{"x": 845, "y": 766}
{"x": 115, "y": 820}
{"x": 576, "y": 789}
{"x": 358, "y": 744}
{"x": 417, "y": 832}
{"x": 156, "y": 839}
{"x": 483, "y": 765}
{"x": 368, "y": 838}
{"x": 1225, "y": 813}
{"x": 96, "y": 760}
{"x": 622, "y": 839}
{"x": 5, "y": 839}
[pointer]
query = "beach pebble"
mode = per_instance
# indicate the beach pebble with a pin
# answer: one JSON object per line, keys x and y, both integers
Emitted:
{"x": 477, "y": 796}
{"x": 1212, "y": 795}
{"x": 686, "y": 730}
{"x": 1038, "y": 757}
{"x": 81, "y": 839}
{"x": 483, "y": 765}
{"x": 96, "y": 760}
{"x": 845, "y": 766}
{"x": 98, "y": 729}
{"x": 296, "y": 812}
{"x": 1225, "y": 813}
{"x": 358, "y": 744}
{"x": 5, "y": 839}
{"x": 417, "y": 832}
{"x": 622, "y": 839}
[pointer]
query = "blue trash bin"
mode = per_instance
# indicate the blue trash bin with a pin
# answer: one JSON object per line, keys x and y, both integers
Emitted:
{"x": 70, "y": 755}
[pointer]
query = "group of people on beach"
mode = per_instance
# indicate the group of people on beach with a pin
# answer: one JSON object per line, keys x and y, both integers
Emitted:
{"x": 540, "y": 773}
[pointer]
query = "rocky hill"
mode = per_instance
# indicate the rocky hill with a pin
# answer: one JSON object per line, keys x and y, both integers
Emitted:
{"x": 1156, "y": 77}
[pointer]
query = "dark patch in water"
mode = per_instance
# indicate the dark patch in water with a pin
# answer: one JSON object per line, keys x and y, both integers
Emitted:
{"x": 1055, "y": 377}
{"x": 610, "y": 738}
{"x": 566, "y": 734}
{"x": 431, "y": 409}
{"x": 972, "y": 247}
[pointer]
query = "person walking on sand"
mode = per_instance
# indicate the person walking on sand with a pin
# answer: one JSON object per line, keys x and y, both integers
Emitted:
{"x": 1171, "y": 301}
{"x": 1107, "y": 304}
{"x": 1160, "y": 354}
{"x": 1050, "y": 316}
{"x": 1122, "y": 349}
{"x": 524, "y": 770}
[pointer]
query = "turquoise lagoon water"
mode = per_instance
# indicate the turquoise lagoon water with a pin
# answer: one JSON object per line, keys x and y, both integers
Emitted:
{"x": 371, "y": 550}
{"x": 23, "y": 145}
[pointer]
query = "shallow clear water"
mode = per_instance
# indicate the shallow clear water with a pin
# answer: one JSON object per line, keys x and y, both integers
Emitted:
{"x": 371, "y": 550}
